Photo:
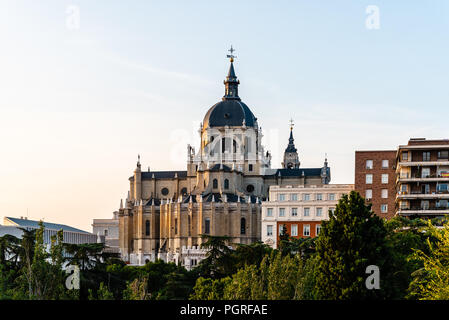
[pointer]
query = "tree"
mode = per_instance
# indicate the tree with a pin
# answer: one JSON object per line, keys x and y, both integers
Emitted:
{"x": 431, "y": 282}
{"x": 137, "y": 289}
{"x": 218, "y": 262}
{"x": 349, "y": 242}
{"x": 209, "y": 289}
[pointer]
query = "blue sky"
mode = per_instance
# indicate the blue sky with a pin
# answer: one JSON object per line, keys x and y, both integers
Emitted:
{"x": 77, "y": 106}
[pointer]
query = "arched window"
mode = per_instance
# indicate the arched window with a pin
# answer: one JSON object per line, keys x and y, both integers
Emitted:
{"x": 215, "y": 184}
{"x": 234, "y": 146}
{"x": 226, "y": 184}
{"x": 147, "y": 227}
{"x": 243, "y": 226}
{"x": 207, "y": 226}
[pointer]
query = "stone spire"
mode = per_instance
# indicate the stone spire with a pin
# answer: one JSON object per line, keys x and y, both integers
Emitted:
{"x": 231, "y": 82}
{"x": 291, "y": 158}
{"x": 325, "y": 172}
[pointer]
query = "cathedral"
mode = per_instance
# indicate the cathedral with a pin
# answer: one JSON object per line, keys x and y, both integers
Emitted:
{"x": 220, "y": 192}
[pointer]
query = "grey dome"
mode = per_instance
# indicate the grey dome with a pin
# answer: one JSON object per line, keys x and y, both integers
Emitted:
{"x": 229, "y": 113}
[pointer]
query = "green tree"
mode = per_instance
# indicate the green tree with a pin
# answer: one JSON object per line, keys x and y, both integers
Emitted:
{"x": 431, "y": 282}
{"x": 351, "y": 240}
{"x": 218, "y": 262}
{"x": 209, "y": 289}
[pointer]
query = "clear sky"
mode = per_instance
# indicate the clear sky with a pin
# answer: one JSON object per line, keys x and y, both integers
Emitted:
{"x": 80, "y": 98}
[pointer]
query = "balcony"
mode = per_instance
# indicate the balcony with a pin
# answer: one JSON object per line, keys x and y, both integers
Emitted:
{"x": 402, "y": 195}
{"x": 431, "y": 210}
{"x": 406, "y": 177}
{"x": 439, "y": 162}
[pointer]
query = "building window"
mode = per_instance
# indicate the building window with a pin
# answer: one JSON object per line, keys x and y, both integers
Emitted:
{"x": 306, "y": 230}
{"x": 294, "y": 230}
{"x": 226, "y": 184}
{"x": 176, "y": 226}
{"x": 242, "y": 226}
{"x": 383, "y": 208}
{"x": 105, "y": 232}
{"x": 403, "y": 188}
{"x": 164, "y": 191}
{"x": 269, "y": 230}
{"x": 331, "y": 196}
{"x": 425, "y": 204}
{"x": 281, "y": 212}
{"x": 306, "y": 197}
{"x": 404, "y": 156}
{"x": 369, "y": 179}
{"x": 318, "y": 229}
{"x": 281, "y": 197}
{"x": 368, "y": 194}
{"x": 384, "y": 193}
{"x": 385, "y": 178}
{"x": 250, "y": 167}
{"x": 443, "y": 154}
{"x": 306, "y": 212}
{"x": 319, "y": 212}
{"x": 184, "y": 191}
{"x": 385, "y": 164}
{"x": 332, "y": 210}
{"x": 189, "y": 226}
{"x": 443, "y": 187}
{"x": 250, "y": 188}
{"x": 281, "y": 229}
{"x": 269, "y": 212}
{"x": 369, "y": 164}
{"x": 147, "y": 227}
{"x": 294, "y": 197}
{"x": 319, "y": 196}
{"x": 207, "y": 226}
{"x": 425, "y": 173}
{"x": 426, "y": 156}
{"x": 294, "y": 212}
{"x": 215, "y": 184}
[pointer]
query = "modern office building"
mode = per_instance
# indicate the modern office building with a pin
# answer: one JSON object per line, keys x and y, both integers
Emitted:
{"x": 301, "y": 209}
{"x": 423, "y": 178}
{"x": 375, "y": 180}
{"x": 70, "y": 235}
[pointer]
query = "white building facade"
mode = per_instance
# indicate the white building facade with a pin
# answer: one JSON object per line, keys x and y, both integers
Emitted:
{"x": 301, "y": 209}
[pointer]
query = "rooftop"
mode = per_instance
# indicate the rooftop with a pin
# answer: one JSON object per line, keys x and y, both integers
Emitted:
{"x": 25, "y": 223}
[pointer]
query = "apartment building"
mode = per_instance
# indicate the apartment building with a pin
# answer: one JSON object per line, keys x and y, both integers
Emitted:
{"x": 423, "y": 178}
{"x": 375, "y": 180}
{"x": 301, "y": 209}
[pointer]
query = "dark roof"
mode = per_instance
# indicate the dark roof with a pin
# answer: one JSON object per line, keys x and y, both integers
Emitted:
{"x": 308, "y": 172}
{"x": 229, "y": 113}
{"x": 291, "y": 143}
{"x": 217, "y": 168}
{"x": 25, "y": 223}
{"x": 163, "y": 174}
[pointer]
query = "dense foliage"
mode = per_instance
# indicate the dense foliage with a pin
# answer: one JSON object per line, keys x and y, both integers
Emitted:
{"x": 412, "y": 257}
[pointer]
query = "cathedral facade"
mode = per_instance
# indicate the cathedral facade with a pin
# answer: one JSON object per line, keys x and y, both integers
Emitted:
{"x": 219, "y": 193}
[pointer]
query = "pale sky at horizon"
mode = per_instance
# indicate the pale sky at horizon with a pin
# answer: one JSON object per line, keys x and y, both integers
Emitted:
{"x": 77, "y": 106}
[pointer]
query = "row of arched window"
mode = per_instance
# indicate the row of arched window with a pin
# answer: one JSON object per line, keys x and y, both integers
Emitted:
{"x": 215, "y": 184}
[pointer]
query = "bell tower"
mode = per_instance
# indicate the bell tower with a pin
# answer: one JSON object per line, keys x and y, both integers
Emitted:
{"x": 291, "y": 158}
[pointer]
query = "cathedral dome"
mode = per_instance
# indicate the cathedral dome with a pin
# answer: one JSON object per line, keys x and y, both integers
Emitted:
{"x": 229, "y": 113}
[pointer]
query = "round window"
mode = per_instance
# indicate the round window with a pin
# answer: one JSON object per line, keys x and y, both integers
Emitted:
{"x": 250, "y": 188}
{"x": 164, "y": 191}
